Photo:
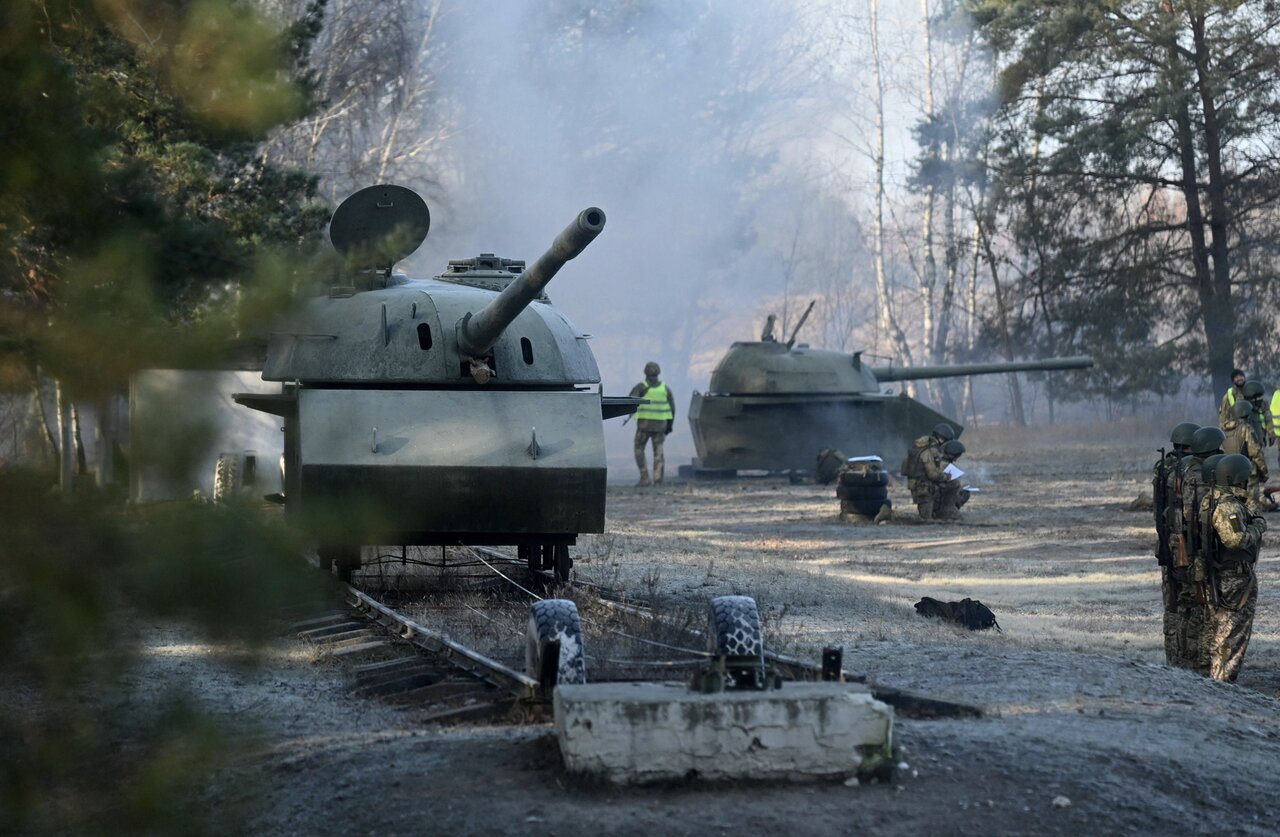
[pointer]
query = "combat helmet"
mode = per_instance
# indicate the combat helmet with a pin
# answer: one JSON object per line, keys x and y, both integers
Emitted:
{"x": 1181, "y": 436}
{"x": 1207, "y": 441}
{"x": 1252, "y": 389}
{"x": 952, "y": 449}
{"x": 1241, "y": 410}
{"x": 1206, "y": 468}
{"x": 1233, "y": 471}
{"x": 652, "y": 370}
{"x": 944, "y": 431}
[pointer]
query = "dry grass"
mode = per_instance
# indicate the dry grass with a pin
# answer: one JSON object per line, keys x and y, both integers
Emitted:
{"x": 1049, "y": 545}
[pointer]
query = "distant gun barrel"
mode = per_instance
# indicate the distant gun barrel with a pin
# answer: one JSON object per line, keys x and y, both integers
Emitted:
{"x": 886, "y": 374}
{"x": 477, "y": 333}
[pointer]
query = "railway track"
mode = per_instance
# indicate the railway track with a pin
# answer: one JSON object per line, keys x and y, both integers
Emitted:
{"x": 463, "y": 683}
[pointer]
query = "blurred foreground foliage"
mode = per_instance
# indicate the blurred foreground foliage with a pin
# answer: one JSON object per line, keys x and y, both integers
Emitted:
{"x": 140, "y": 226}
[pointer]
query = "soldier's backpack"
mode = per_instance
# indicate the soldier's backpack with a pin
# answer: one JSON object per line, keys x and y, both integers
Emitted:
{"x": 971, "y": 613}
{"x": 911, "y": 465}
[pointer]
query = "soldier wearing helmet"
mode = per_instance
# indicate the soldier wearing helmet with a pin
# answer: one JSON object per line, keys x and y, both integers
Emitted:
{"x": 1253, "y": 392}
{"x": 1172, "y": 496}
{"x": 925, "y": 470}
{"x": 1242, "y": 437}
{"x": 654, "y": 421}
{"x": 1233, "y": 527}
{"x": 1233, "y": 394}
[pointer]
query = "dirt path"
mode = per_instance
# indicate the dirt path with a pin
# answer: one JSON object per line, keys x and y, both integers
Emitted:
{"x": 1079, "y": 704}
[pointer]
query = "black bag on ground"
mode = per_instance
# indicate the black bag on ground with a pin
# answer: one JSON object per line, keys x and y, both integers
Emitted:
{"x": 971, "y": 613}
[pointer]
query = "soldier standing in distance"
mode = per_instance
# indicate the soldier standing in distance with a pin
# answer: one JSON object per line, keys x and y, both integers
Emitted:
{"x": 1233, "y": 528}
{"x": 654, "y": 421}
{"x": 1274, "y": 411}
{"x": 1233, "y": 394}
{"x": 1168, "y": 499}
{"x": 1253, "y": 391}
{"x": 924, "y": 468}
{"x": 1242, "y": 437}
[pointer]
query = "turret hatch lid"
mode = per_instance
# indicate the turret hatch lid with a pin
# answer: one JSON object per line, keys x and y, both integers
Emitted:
{"x": 380, "y": 225}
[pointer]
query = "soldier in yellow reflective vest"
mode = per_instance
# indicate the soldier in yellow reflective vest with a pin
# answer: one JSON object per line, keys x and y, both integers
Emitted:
{"x": 1274, "y": 429}
{"x": 654, "y": 420}
{"x": 1233, "y": 393}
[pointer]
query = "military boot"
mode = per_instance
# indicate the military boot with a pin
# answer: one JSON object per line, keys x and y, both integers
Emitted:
{"x": 644, "y": 477}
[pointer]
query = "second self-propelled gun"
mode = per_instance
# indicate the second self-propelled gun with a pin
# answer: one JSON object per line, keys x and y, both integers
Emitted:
{"x": 772, "y": 406}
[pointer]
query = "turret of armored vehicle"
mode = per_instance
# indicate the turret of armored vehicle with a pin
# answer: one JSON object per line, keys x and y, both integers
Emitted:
{"x": 772, "y": 406}
{"x": 459, "y": 409}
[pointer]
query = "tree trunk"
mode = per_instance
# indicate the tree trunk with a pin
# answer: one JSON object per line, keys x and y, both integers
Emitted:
{"x": 82, "y": 465}
{"x": 1015, "y": 387}
{"x": 66, "y": 457}
{"x": 1219, "y": 313}
{"x": 888, "y": 323}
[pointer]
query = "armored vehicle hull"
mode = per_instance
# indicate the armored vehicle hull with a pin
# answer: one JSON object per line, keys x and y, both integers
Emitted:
{"x": 772, "y": 406}
{"x": 459, "y": 409}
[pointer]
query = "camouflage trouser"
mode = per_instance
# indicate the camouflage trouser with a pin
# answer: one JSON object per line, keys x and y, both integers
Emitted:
{"x": 643, "y": 437}
{"x": 1184, "y": 618}
{"x": 937, "y": 501}
{"x": 1229, "y": 620}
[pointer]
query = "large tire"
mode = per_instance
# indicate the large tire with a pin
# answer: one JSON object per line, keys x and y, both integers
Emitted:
{"x": 228, "y": 476}
{"x": 555, "y": 620}
{"x": 864, "y": 478}
{"x": 734, "y": 633}
{"x": 861, "y": 493}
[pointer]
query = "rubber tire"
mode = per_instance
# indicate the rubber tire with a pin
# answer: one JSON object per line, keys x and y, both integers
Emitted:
{"x": 228, "y": 476}
{"x": 864, "y": 479}
{"x": 860, "y": 493}
{"x": 733, "y": 624}
{"x": 555, "y": 620}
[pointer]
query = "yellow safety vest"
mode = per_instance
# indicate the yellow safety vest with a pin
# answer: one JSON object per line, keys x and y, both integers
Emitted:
{"x": 1275, "y": 412}
{"x": 658, "y": 408}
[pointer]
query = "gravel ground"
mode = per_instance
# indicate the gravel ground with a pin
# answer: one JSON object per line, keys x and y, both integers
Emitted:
{"x": 1080, "y": 708}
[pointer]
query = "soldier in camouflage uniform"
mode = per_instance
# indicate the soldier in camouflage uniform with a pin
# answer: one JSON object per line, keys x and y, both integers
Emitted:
{"x": 950, "y": 496}
{"x": 1243, "y": 438}
{"x": 1234, "y": 394}
{"x": 1233, "y": 527}
{"x": 1254, "y": 393}
{"x": 1167, "y": 486}
{"x": 924, "y": 467}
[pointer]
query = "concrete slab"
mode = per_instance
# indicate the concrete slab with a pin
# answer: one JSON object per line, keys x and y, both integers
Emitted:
{"x": 631, "y": 733}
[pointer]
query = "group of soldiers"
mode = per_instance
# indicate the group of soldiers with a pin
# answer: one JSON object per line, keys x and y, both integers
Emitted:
{"x": 1209, "y": 527}
{"x": 936, "y": 494}
{"x": 1251, "y": 426}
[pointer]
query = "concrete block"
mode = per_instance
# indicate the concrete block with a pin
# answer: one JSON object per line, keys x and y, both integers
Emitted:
{"x": 643, "y": 732}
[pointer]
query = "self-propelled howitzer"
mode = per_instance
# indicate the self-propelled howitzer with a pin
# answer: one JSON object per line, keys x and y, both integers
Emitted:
{"x": 459, "y": 409}
{"x": 772, "y": 406}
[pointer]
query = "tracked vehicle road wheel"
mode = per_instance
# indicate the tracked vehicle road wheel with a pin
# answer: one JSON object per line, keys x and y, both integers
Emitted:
{"x": 228, "y": 476}
{"x": 734, "y": 633}
{"x": 554, "y": 624}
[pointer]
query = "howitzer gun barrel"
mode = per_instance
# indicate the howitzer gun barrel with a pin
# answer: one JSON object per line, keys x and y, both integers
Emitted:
{"x": 477, "y": 333}
{"x": 885, "y": 374}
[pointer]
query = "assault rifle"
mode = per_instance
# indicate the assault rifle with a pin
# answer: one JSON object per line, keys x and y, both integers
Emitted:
{"x": 1164, "y": 557}
{"x": 1211, "y": 551}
